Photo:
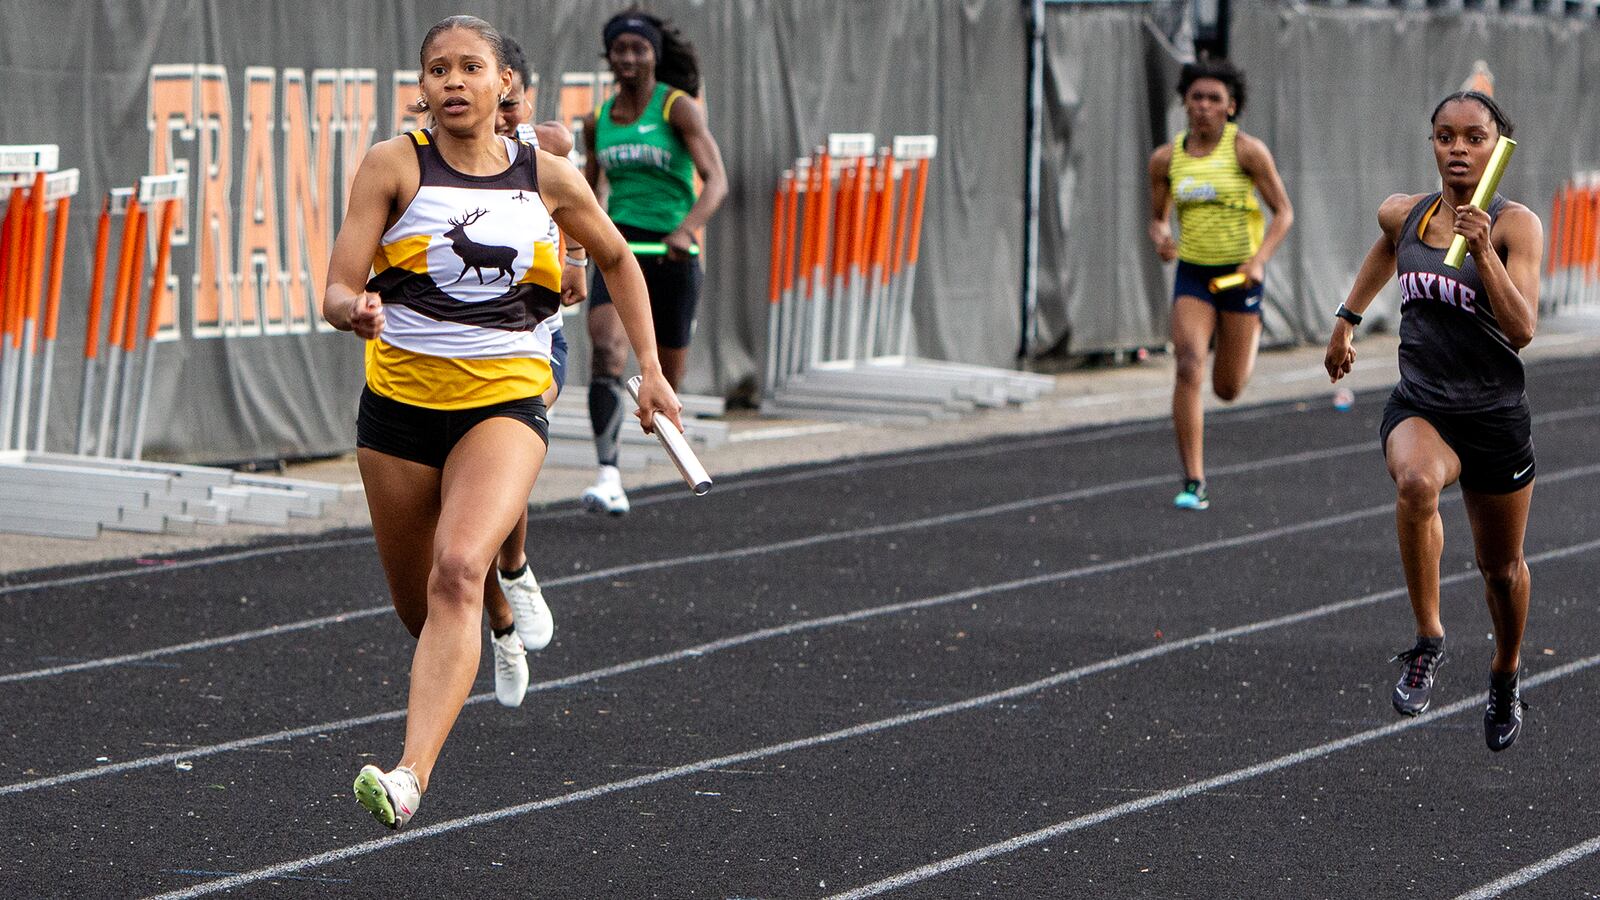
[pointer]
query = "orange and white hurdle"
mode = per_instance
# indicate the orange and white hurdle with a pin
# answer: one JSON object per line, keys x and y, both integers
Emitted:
{"x": 1572, "y": 267}
{"x": 34, "y": 191}
{"x": 847, "y": 232}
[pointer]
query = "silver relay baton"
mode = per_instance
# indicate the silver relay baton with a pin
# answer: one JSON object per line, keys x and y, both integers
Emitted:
{"x": 677, "y": 447}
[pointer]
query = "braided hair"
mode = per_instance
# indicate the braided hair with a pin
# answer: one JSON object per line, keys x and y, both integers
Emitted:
{"x": 1501, "y": 121}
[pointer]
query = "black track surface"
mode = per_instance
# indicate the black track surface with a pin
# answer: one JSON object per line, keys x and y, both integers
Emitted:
{"x": 1013, "y": 663}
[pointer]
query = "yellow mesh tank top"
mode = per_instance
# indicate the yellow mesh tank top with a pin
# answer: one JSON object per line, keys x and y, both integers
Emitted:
{"x": 1219, "y": 220}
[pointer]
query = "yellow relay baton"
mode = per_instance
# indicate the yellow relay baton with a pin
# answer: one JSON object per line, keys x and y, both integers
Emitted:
{"x": 1227, "y": 282}
{"x": 1503, "y": 148}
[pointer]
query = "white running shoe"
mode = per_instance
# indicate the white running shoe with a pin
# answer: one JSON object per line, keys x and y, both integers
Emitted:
{"x": 605, "y": 495}
{"x": 391, "y": 797}
{"x": 510, "y": 669}
{"x": 535, "y": 625}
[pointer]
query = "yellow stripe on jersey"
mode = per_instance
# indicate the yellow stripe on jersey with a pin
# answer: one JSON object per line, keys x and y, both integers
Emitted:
{"x": 666, "y": 108}
{"x": 1219, "y": 220}
{"x": 546, "y": 268}
{"x": 408, "y": 253}
{"x": 438, "y": 382}
{"x": 420, "y": 136}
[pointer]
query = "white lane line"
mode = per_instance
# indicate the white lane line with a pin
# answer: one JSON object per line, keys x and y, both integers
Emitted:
{"x": 1089, "y": 820}
{"x": 959, "y": 452}
{"x": 868, "y": 728}
{"x": 889, "y": 461}
{"x": 179, "y": 564}
{"x": 720, "y": 645}
{"x": 203, "y": 644}
{"x": 780, "y": 546}
{"x": 1534, "y": 871}
{"x": 708, "y": 557}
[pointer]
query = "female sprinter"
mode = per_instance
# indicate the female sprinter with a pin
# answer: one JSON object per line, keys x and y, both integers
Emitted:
{"x": 649, "y": 140}
{"x": 456, "y": 225}
{"x": 1459, "y": 412}
{"x": 1211, "y": 172}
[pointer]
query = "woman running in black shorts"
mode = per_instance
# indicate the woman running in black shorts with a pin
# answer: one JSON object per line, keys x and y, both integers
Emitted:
{"x": 1459, "y": 413}
{"x": 649, "y": 141}
{"x": 1211, "y": 173}
{"x": 457, "y": 228}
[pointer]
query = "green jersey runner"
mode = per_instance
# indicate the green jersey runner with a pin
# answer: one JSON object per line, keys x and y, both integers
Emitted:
{"x": 649, "y": 169}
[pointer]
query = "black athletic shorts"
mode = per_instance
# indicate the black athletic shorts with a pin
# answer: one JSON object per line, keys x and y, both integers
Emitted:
{"x": 1194, "y": 280}
{"x": 427, "y": 436}
{"x": 1495, "y": 447}
{"x": 674, "y": 290}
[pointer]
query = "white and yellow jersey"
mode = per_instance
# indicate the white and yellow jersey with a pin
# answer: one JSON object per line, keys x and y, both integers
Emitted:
{"x": 468, "y": 274}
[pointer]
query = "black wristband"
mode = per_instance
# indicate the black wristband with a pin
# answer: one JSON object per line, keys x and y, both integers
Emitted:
{"x": 1347, "y": 315}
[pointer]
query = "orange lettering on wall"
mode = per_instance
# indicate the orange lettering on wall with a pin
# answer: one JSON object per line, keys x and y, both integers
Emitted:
{"x": 308, "y": 183}
{"x": 261, "y": 264}
{"x": 358, "y": 115}
{"x": 172, "y": 114}
{"x": 405, "y": 93}
{"x": 215, "y": 302}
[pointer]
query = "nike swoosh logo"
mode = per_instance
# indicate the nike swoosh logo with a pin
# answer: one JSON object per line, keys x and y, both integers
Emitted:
{"x": 1403, "y": 694}
{"x": 1522, "y": 473}
{"x": 646, "y": 129}
{"x": 1502, "y": 741}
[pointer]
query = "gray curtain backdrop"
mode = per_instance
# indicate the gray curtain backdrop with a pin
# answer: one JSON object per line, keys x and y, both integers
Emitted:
{"x": 1109, "y": 73}
{"x": 1343, "y": 96}
{"x": 779, "y": 77}
{"x": 1340, "y": 95}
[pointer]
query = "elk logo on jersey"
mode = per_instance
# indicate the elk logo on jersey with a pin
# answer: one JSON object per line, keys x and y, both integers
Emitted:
{"x": 476, "y": 256}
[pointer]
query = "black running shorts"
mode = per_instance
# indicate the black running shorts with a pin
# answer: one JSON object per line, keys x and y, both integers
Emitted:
{"x": 674, "y": 290}
{"x": 1495, "y": 447}
{"x": 427, "y": 436}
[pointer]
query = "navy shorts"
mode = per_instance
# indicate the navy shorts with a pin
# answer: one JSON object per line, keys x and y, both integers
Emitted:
{"x": 427, "y": 436}
{"x": 674, "y": 290}
{"x": 1194, "y": 280}
{"x": 1495, "y": 447}
{"x": 558, "y": 357}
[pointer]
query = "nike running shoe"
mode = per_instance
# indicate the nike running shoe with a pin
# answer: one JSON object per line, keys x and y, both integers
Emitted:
{"x": 391, "y": 797}
{"x": 1414, "y": 691}
{"x": 510, "y": 669}
{"x": 1502, "y": 721}
{"x": 606, "y": 494}
{"x": 1193, "y": 496}
{"x": 535, "y": 625}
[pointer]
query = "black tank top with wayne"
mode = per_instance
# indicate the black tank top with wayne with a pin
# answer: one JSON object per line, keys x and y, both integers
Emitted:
{"x": 1453, "y": 355}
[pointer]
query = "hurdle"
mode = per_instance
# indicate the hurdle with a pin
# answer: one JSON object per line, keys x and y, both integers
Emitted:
{"x": 59, "y": 189}
{"x": 170, "y": 191}
{"x": 22, "y": 261}
{"x": 849, "y": 218}
{"x": 79, "y": 496}
{"x": 116, "y": 203}
{"x": 1572, "y": 269}
{"x": 127, "y": 259}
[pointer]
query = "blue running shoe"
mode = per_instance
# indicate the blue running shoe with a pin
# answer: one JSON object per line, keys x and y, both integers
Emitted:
{"x": 1193, "y": 496}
